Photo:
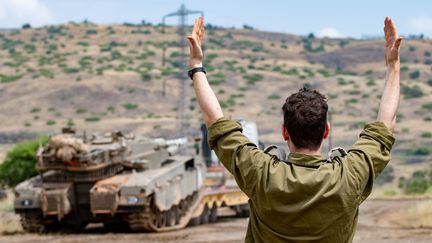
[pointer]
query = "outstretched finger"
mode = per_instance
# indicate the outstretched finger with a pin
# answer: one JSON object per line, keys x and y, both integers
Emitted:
{"x": 200, "y": 29}
{"x": 398, "y": 42}
{"x": 389, "y": 32}
{"x": 392, "y": 28}
{"x": 195, "y": 27}
{"x": 193, "y": 41}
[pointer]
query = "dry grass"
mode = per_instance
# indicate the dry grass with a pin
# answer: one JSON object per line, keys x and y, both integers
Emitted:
{"x": 418, "y": 216}
{"x": 9, "y": 222}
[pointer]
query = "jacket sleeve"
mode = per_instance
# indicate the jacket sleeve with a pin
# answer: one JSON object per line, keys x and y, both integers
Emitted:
{"x": 238, "y": 154}
{"x": 368, "y": 157}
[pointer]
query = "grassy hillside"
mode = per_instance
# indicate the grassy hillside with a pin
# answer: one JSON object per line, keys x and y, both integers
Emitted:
{"x": 101, "y": 77}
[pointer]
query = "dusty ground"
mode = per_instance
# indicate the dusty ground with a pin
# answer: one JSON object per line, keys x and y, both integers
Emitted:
{"x": 376, "y": 224}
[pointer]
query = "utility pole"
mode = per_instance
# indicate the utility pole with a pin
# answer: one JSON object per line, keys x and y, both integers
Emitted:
{"x": 183, "y": 125}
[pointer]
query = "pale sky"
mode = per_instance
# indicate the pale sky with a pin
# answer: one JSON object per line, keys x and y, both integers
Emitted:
{"x": 333, "y": 18}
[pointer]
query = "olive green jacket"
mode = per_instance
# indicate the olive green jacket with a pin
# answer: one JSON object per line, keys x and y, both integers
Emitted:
{"x": 303, "y": 198}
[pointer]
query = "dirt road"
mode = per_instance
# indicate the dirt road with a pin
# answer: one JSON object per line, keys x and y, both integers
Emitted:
{"x": 376, "y": 224}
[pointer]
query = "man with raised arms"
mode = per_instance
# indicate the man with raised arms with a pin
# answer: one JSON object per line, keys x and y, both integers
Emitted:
{"x": 305, "y": 197}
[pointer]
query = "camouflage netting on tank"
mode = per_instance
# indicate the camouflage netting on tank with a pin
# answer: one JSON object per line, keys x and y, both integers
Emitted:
{"x": 66, "y": 147}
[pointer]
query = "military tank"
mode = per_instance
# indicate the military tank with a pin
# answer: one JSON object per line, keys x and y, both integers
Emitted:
{"x": 146, "y": 184}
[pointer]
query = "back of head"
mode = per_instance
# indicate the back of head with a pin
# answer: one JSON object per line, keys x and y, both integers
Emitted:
{"x": 305, "y": 118}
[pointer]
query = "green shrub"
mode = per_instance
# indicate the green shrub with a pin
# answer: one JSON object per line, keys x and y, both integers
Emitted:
{"x": 111, "y": 109}
{"x": 427, "y": 106}
{"x": 54, "y": 30}
{"x": 30, "y": 48}
{"x": 404, "y": 69}
{"x": 118, "y": 44}
{"x": 20, "y": 162}
{"x": 91, "y": 32}
{"x": 92, "y": 119}
{"x": 81, "y": 110}
{"x": 341, "y": 71}
{"x": 35, "y": 110}
{"x": 251, "y": 79}
{"x": 274, "y": 97}
{"x": 419, "y": 182}
{"x": 8, "y": 79}
{"x": 342, "y": 81}
{"x": 353, "y": 101}
{"x": 50, "y": 122}
{"x": 83, "y": 43}
{"x": 370, "y": 82}
{"x": 421, "y": 151}
{"x": 354, "y": 92}
{"x": 309, "y": 47}
{"x": 415, "y": 74}
{"x": 416, "y": 186}
{"x": 70, "y": 123}
{"x": 116, "y": 55}
{"x": 324, "y": 73}
{"x": 411, "y": 92}
{"x": 46, "y": 73}
{"x": 71, "y": 70}
{"x": 343, "y": 43}
{"x": 216, "y": 82}
{"x": 130, "y": 106}
{"x": 369, "y": 72}
{"x": 52, "y": 48}
{"x": 426, "y": 135}
{"x": 175, "y": 54}
{"x": 292, "y": 72}
{"x": 145, "y": 77}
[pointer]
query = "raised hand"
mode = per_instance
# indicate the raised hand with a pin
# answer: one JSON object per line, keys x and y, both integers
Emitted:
{"x": 393, "y": 42}
{"x": 195, "y": 41}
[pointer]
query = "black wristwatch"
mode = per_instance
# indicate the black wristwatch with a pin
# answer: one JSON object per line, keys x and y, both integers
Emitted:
{"x": 195, "y": 70}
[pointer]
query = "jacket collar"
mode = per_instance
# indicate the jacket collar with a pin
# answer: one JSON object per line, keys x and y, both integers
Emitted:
{"x": 306, "y": 160}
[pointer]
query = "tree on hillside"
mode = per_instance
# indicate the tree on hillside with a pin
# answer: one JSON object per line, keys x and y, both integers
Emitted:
{"x": 20, "y": 162}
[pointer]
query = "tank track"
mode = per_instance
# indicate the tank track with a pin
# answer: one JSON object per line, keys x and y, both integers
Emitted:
{"x": 154, "y": 220}
{"x": 33, "y": 222}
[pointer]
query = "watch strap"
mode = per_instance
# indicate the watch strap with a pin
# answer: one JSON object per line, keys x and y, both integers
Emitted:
{"x": 196, "y": 70}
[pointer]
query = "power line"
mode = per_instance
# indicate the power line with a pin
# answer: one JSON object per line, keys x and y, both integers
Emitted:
{"x": 182, "y": 118}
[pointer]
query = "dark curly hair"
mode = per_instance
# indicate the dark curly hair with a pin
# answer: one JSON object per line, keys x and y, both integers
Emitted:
{"x": 305, "y": 117}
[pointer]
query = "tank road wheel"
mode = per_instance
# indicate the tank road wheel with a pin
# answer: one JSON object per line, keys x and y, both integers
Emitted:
{"x": 195, "y": 221}
{"x": 205, "y": 216}
{"x": 153, "y": 220}
{"x": 170, "y": 219}
{"x": 34, "y": 223}
{"x": 177, "y": 214}
{"x": 158, "y": 218}
{"x": 213, "y": 213}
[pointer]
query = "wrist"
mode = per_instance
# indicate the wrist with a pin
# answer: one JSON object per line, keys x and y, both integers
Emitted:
{"x": 195, "y": 65}
{"x": 393, "y": 66}
{"x": 195, "y": 71}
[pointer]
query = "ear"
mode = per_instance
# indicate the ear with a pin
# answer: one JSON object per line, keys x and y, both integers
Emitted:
{"x": 285, "y": 134}
{"x": 326, "y": 130}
